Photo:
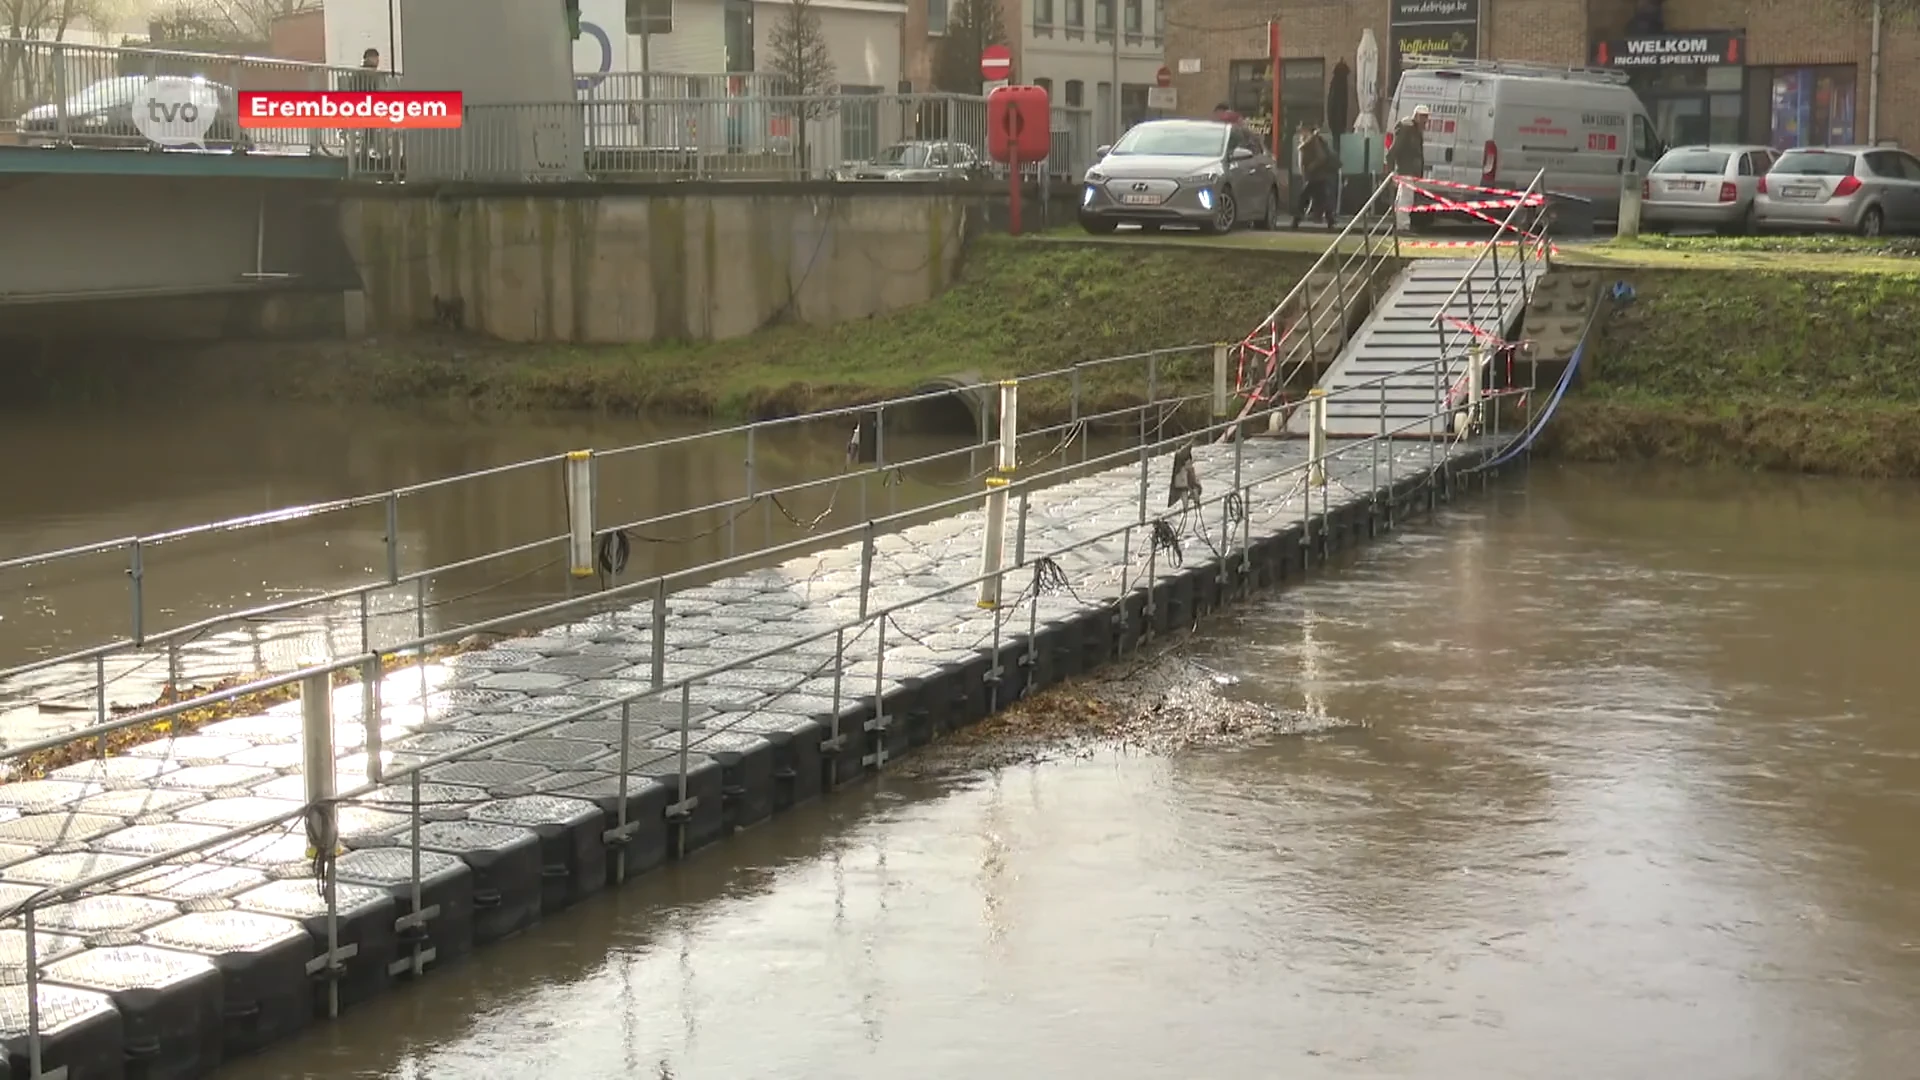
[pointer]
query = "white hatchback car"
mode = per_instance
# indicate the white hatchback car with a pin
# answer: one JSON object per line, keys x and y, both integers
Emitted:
{"x": 1705, "y": 186}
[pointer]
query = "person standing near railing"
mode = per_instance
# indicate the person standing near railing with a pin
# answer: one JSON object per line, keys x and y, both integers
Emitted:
{"x": 1408, "y": 157}
{"x": 1319, "y": 177}
{"x": 369, "y": 79}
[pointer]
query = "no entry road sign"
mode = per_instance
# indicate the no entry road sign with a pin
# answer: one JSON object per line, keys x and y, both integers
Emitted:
{"x": 996, "y": 63}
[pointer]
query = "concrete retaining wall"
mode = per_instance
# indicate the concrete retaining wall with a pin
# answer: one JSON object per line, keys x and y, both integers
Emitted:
{"x": 580, "y": 266}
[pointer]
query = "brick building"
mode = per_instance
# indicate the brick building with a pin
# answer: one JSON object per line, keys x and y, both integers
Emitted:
{"x": 1783, "y": 72}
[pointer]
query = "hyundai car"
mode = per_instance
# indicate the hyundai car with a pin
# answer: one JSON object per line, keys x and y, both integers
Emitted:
{"x": 1208, "y": 173}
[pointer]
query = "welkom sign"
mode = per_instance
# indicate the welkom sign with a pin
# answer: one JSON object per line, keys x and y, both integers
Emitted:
{"x": 1703, "y": 48}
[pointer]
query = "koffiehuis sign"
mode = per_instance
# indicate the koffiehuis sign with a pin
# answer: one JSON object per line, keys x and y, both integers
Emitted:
{"x": 1702, "y": 48}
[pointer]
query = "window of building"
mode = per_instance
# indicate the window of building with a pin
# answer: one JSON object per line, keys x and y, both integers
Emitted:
{"x": 1160, "y": 18}
{"x": 739, "y": 35}
{"x": 1802, "y": 106}
{"x": 1045, "y": 84}
{"x": 1134, "y": 16}
{"x": 649, "y": 16}
{"x": 936, "y": 17}
{"x": 1250, "y": 91}
{"x": 1076, "y": 17}
{"x": 1102, "y": 16}
{"x": 1076, "y": 92}
{"x": 1133, "y": 103}
{"x": 1043, "y": 13}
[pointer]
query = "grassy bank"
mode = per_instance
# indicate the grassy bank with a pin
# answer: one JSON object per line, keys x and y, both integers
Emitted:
{"x": 1018, "y": 308}
{"x": 1812, "y": 366}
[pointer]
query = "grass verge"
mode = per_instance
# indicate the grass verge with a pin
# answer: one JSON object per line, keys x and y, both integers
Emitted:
{"x": 1803, "y": 370}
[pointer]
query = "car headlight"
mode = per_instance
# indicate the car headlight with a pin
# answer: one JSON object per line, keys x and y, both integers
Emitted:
{"x": 1095, "y": 176}
{"x": 1211, "y": 176}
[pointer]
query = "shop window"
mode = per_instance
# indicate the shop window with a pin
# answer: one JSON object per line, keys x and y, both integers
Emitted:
{"x": 1807, "y": 106}
{"x": 1250, "y": 91}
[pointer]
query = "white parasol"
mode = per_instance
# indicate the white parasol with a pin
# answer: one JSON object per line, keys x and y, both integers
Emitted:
{"x": 1366, "y": 77}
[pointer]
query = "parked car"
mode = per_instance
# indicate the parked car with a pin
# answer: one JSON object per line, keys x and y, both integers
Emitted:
{"x": 919, "y": 161}
{"x": 1194, "y": 172}
{"x": 102, "y": 114}
{"x": 1710, "y": 186}
{"x": 1857, "y": 189}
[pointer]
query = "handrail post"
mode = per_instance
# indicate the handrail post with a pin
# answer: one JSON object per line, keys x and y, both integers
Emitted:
{"x": 33, "y": 995}
{"x": 580, "y": 512}
{"x": 370, "y": 680}
{"x": 659, "y": 642}
{"x": 136, "y": 578}
{"x": 993, "y": 539}
{"x": 393, "y": 537}
{"x": 1316, "y": 437}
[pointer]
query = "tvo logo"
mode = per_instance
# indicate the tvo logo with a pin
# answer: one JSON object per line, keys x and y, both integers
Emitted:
{"x": 174, "y": 111}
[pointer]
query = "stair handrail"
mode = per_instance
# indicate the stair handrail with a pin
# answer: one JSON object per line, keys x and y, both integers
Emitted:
{"x": 1452, "y": 348}
{"x": 1283, "y": 360}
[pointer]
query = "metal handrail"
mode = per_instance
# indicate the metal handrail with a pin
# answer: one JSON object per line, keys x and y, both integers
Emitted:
{"x": 393, "y": 579}
{"x": 423, "y": 643}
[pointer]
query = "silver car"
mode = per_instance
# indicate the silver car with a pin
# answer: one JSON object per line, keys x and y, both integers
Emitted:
{"x": 1706, "y": 186}
{"x": 1856, "y": 189}
{"x": 918, "y": 161}
{"x": 1170, "y": 172}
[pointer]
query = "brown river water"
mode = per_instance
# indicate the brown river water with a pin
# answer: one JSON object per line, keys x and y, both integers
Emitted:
{"x": 1612, "y": 774}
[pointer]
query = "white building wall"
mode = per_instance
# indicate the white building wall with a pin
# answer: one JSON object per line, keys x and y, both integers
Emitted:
{"x": 1056, "y": 55}
{"x": 863, "y": 38}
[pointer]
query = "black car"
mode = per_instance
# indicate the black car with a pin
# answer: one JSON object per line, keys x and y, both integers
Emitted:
{"x": 102, "y": 114}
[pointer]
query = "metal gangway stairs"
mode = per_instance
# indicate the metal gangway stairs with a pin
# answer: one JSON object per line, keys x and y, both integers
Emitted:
{"x": 1390, "y": 340}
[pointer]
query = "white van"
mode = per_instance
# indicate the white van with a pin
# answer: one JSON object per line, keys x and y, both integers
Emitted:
{"x": 1495, "y": 123}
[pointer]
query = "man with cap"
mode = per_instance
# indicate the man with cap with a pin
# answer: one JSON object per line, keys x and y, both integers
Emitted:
{"x": 1408, "y": 155}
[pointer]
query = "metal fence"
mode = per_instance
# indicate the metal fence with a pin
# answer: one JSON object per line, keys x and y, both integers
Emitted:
{"x": 59, "y": 93}
{"x": 623, "y": 125}
{"x": 774, "y": 138}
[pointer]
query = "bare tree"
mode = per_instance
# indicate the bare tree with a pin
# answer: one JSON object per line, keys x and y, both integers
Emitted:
{"x": 972, "y": 25}
{"x": 235, "y": 21}
{"x": 804, "y": 65}
{"x": 27, "y": 75}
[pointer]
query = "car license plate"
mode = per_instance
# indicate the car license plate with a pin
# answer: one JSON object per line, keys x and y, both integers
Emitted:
{"x": 1801, "y": 192}
{"x": 1685, "y": 185}
{"x": 1140, "y": 200}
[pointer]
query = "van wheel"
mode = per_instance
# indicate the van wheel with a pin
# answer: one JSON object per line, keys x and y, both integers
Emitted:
{"x": 1873, "y": 222}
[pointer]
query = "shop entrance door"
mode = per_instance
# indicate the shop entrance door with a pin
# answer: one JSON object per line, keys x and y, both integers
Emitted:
{"x": 1684, "y": 119}
{"x": 1681, "y": 120}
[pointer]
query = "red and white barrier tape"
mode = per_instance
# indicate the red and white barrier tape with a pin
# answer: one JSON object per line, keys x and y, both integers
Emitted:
{"x": 1478, "y": 204}
{"x": 1473, "y": 244}
{"x": 1412, "y": 181}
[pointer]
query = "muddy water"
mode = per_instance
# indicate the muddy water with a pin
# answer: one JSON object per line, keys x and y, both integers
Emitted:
{"x": 1608, "y": 776}
{"x": 82, "y": 477}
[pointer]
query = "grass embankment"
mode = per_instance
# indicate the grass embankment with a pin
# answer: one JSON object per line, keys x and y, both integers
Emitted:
{"x": 1018, "y": 308}
{"x": 1765, "y": 352}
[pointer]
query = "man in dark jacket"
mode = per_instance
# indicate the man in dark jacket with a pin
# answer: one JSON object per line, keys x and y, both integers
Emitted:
{"x": 1319, "y": 177}
{"x": 1408, "y": 157}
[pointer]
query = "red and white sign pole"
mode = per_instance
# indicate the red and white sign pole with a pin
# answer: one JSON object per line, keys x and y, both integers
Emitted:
{"x": 996, "y": 65}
